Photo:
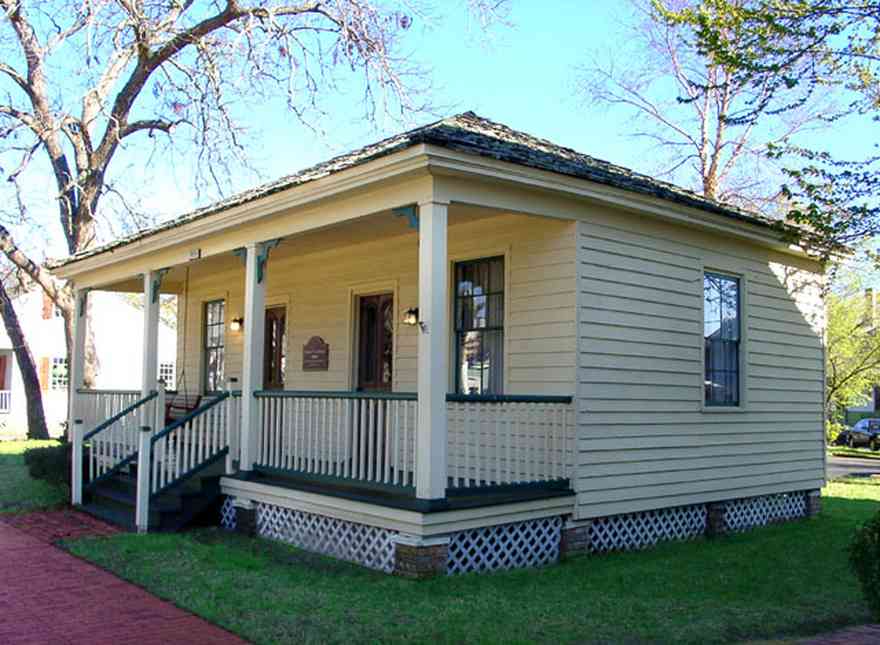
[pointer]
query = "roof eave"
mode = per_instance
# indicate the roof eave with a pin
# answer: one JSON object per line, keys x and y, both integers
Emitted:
{"x": 451, "y": 162}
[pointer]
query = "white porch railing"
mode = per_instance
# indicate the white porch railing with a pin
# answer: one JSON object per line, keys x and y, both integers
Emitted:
{"x": 371, "y": 437}
{"x": 498, "y": 440}
{"x": 354, "y": 435}
{"x": 188, "y": 444}
{"x": 113, "y": 443}
{"x": 5, "y": 401}
{"x": 96, "y": 406}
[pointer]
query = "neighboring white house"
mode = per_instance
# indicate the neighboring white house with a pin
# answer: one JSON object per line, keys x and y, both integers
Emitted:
{"x": 116, "y": 321}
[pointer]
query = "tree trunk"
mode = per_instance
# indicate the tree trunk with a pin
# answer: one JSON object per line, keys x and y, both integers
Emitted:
{"x": 90, "y": 360}
{"x": 36, "y": 417}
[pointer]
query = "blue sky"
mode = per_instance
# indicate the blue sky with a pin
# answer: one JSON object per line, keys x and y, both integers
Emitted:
{"x": 524, "y": 77}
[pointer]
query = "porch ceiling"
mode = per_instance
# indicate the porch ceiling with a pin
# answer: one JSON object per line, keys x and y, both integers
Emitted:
{"x": 368, "y": 228}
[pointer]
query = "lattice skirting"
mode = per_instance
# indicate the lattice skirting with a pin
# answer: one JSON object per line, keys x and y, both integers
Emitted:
{"x": 227, "y": 515}
{"x": 647, "y": 528}
{"x": 751, "y": 512}
{"x": 369, "y": 546}
{"x": 505, "y": 546}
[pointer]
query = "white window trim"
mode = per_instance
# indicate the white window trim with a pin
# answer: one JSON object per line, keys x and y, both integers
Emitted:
{"x": 743, "y": 341}
{"x": 372, "y": 288}
{"x": 273, "y": 302}
{"x": 203, "y": 300}
{"x": 52, "y": 363}
{"x": 484, "y": 254}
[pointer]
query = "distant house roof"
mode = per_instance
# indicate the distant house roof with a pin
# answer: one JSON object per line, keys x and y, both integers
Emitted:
{"x": 472, "y": 134}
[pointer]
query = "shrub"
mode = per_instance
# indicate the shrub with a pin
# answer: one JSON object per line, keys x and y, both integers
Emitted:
{"x": 832, "y": 431}
{"x": 51, "y": 464}
{"x": 864, "y": 560}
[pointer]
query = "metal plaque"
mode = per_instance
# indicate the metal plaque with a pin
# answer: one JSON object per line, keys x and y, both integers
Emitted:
{"x": 316, "y": 355}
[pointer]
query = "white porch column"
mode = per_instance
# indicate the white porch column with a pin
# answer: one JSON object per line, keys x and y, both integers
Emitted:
{"x": 76, "y": 372}
{"x": 433, "y": 355}
{"x": 252, "y": 363}
{"x": 150, "y": 365}
{"x": 75, "y": 382}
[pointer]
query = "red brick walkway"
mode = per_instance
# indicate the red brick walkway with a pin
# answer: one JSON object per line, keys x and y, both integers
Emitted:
{"x": 862, "y": 635}
{"x": 49, "y": 596}
{"x": 51, "y": 526}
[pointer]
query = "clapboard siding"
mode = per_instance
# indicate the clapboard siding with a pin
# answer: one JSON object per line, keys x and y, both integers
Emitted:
{"x": 644, "y": 439}
{"x": 317, "y": 289}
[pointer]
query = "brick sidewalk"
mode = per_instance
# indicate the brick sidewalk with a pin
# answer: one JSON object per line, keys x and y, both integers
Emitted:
{"x": 51, "y": 526}
{"x": 49, "y": 596}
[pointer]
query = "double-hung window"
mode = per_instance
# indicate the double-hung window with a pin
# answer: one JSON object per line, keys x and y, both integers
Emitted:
{"x": 166, "y": 374}
{"x": 722, "y": 306}
{"x": 58, "y": 376}
{"x": 479, "y": 326}
{"x": 215, "y": 337}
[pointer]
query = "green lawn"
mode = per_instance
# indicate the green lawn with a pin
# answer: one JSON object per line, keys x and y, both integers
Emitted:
{"x": 18, "y": 491}
{"x": 778, "y": 582}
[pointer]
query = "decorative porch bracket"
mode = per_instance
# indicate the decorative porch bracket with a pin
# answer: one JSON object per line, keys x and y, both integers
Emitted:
{"x": 263, "y": 249}
{"x": 410, "y": 212}
{"x": 263, "y": 255}
{"x": 156, "y": 284}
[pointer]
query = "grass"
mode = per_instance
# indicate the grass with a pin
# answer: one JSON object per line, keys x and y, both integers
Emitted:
{"x": 778, "y": 582}
{"x": 862, "y": 453}
{"x": 18, "y": 490}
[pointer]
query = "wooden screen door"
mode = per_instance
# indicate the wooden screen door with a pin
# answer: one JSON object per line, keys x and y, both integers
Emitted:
{"x": 273, "y": 349}
{"x": 375, "y": 342}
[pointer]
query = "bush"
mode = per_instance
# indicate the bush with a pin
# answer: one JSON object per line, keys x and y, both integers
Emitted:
{"x": 864, "y": 560}
{"x": 51, "y": 464}
{"x": 832, "y": 431}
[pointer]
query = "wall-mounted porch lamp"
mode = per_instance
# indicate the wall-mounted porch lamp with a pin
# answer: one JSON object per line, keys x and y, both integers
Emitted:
{"x": 411, "y": 317}
{"x": 237, "y": 324}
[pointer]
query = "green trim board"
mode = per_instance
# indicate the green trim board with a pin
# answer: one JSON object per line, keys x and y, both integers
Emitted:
{"x": 412, "y": 396}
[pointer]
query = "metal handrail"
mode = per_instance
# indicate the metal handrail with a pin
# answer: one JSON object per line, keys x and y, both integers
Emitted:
{"x": 116, "y": 417}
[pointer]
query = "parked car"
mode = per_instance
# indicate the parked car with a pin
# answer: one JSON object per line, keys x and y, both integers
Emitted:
{"x": 864, "y": 433}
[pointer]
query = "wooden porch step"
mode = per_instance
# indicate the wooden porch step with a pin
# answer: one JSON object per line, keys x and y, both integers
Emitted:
{"x": 194, "y": 499}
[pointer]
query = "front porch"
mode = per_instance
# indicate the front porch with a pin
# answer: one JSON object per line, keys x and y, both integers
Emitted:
{"x": 407, "y": 431}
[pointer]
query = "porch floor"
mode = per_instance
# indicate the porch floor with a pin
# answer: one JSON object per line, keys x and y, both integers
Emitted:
{"x": 404, "y": 497}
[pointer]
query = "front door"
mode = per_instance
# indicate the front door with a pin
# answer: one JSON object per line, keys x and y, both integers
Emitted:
{"x": 273, "y": 350}
{"x": 375, "y": 342}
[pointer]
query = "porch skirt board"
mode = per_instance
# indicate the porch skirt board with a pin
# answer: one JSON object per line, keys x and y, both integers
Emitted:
{"x": 530, "y": 543}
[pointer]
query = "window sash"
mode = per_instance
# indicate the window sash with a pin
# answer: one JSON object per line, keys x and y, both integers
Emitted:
{"x": 59, "y": 375}
{"x": 722, "y": 332}
{"x": 214, "y": 344}
{"x": 478, "y": 326}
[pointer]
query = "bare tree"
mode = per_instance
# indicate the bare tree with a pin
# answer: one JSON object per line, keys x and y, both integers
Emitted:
{"x": 82, "y": 80}
{"x": 683, "y": 103}
{"x": 36, "y": 416}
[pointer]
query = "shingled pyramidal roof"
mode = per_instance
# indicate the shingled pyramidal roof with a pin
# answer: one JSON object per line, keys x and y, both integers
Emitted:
{"x": 472, "y": 134}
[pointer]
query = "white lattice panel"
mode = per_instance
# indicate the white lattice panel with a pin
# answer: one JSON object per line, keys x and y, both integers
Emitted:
{"x": 369, "y": 546}
{"x": 750, "y": 512}
{"x": 505, "y": 546}
{"x": 227, "y": 515}
{"x": 640, "y": 530}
